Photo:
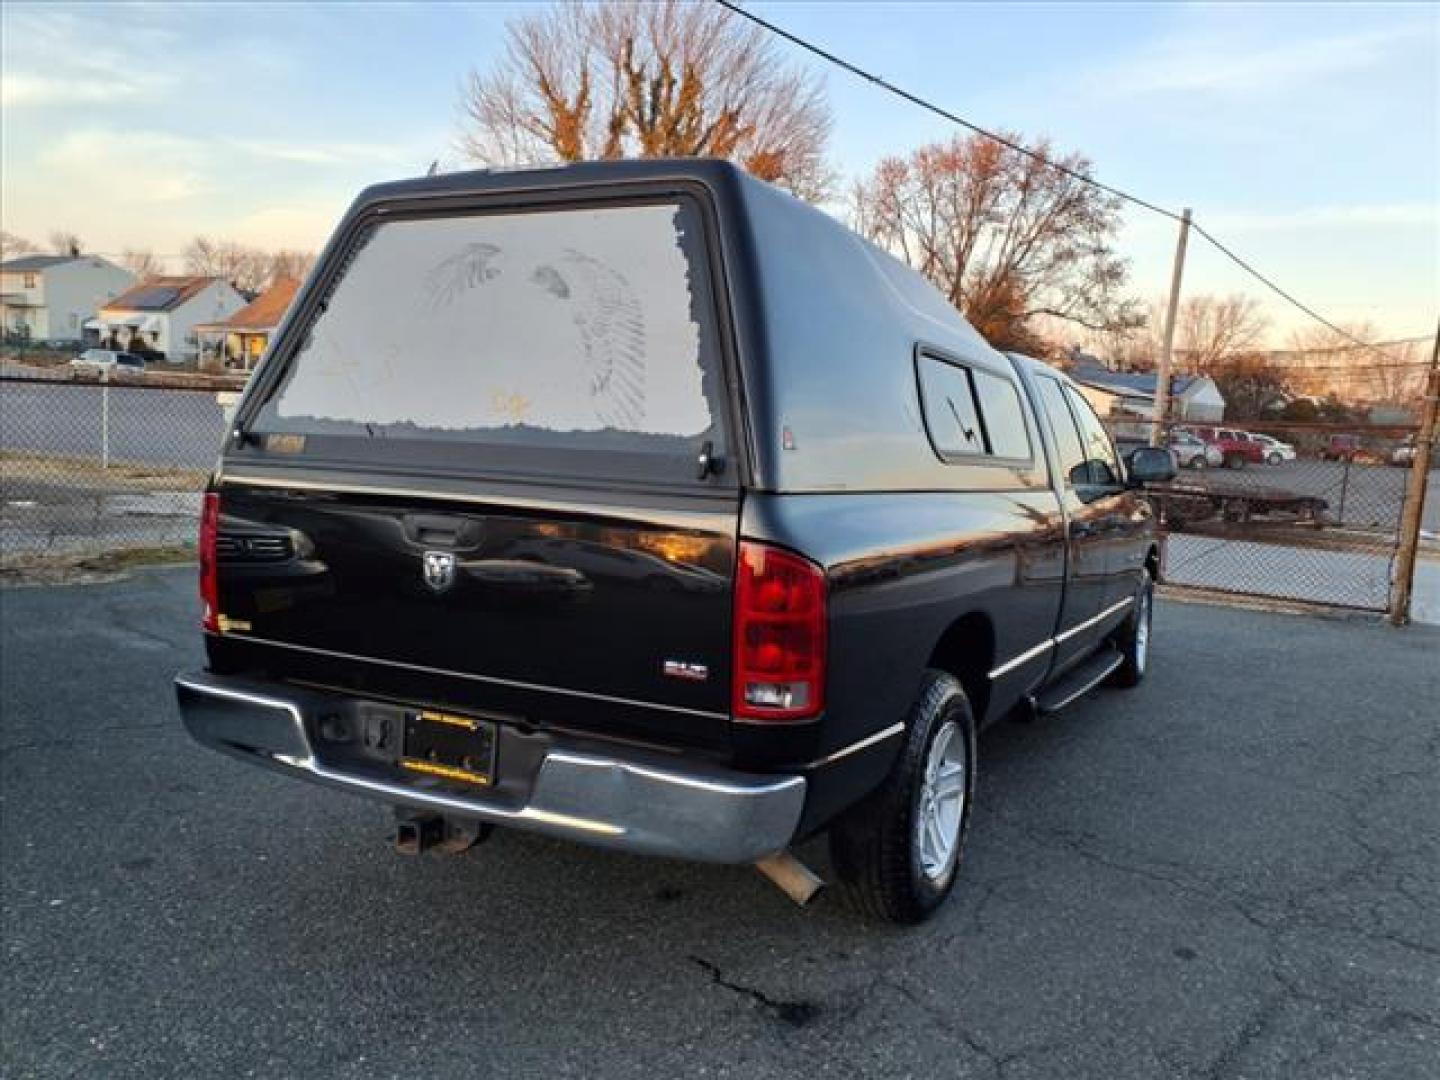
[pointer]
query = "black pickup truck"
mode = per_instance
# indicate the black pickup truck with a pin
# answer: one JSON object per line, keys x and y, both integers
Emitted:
{"x": 640, "y": 504}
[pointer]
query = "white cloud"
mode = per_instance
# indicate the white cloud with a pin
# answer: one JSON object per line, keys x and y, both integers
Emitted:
{"x": 132, "y": 166}
{"x": 306, "y": 224}
{"x": 1220, "y": 64}
{"x": 321, "y": 153}
{"x": 54, "y": 57}
{"x": 19, "y": 89}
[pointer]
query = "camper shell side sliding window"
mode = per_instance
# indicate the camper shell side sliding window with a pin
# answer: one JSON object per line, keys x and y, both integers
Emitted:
{"x": 574, "y": 339}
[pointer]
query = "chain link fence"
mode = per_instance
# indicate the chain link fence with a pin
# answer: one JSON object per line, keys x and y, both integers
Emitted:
{"x": 1307, "y": 512}
{"x": 93, "y": 466}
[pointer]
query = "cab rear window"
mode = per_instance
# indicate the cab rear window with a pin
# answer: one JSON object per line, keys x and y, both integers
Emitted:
{"x": 574, "y": 339}
{"x": 971, "y": 413}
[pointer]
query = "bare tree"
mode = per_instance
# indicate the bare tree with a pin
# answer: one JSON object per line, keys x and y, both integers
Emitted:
{"x": 1326, "y": 362}
{"x": 1252, "y": 383}
{"x": 244, "y": 267}
{"x": 289, "y": 264}
{"x": 249, "y": 269}
{"x": 65, "y": 242}
{"x": 636, "y": 79}
{"x": 1133, "y": 346}
{"x": 1210, "y": 329}
{"x": 12, "y": 245}
{"x": 141, "y": 262}
{"x": 1005, "y": 237}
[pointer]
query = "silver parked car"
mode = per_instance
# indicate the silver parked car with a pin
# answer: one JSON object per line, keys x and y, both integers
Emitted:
{"x": 110, "y": 360}
{"x": 1276, "y": 452}
{"x": 1193, "y": 452}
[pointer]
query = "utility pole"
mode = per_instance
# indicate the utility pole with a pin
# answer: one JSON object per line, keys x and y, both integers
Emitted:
{"x": 1410, "y": 517}
{"x": 1162, "y": 373}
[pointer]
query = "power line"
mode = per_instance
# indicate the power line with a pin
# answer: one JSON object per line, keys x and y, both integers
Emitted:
{"x": 1375, "y": 371}
{"x": 1273, "y": 287}
{"x": 915, "y": 99}
{"x": 1300, "y": 365}
{"x": 929, "y": 106}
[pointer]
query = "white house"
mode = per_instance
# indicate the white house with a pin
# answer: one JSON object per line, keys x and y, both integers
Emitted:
{"x": 49, "y": 297}
{"x": 161, "y": 313}
{"x": 1121, "y": 395}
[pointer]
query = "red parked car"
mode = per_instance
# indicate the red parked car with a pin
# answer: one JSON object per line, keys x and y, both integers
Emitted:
{"x": 1340, "y": 448}
{"x": 1237, "y": 448}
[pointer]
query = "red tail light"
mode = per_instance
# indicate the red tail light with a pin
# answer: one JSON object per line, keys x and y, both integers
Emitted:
{"x": 779, "y": 635}
{"x": 209, "y": 581}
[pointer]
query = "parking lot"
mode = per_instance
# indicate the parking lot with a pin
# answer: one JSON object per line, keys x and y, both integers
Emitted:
{"x": 1360, "y": 495}
{"x": 1231, "y": 871}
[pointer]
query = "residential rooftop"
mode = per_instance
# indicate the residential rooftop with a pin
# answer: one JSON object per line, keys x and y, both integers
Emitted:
{"x": 30, "y": 263}
{"x": 264, "y": 312}
{"x": 159, "y": 294}
{"x": 1131, "y": 384}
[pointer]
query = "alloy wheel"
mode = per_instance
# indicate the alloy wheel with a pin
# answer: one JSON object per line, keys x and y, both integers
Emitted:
{"x": 942, "y": 801}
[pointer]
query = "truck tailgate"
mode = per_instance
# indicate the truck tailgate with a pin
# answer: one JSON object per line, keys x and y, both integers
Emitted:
{"x": 614, "y": 620}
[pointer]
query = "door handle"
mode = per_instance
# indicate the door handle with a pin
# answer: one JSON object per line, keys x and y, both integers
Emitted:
{"x": 440, "y": 530}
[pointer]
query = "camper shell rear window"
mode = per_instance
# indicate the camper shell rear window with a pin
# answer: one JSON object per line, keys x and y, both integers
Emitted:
{"x": 578, "y": 340}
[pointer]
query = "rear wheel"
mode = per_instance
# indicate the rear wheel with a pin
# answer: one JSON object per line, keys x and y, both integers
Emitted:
{"x": 897, "y": 852}
{"x": 1133, "y": 637}
{"x": 1234, "y": 461}
{"x": 1198, "y": 463}
{"x": 1274, "y": 459}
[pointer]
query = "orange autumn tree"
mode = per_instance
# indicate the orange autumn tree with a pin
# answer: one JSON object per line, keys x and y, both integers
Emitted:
{"x": 630, "y": 79}
{"x": 1005, "y": 237}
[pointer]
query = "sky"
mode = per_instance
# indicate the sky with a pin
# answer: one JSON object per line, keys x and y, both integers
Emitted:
{"x": 1305, "y": 136}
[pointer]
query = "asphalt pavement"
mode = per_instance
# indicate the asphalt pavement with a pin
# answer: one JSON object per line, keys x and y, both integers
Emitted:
{"x": 1232, "y": 871}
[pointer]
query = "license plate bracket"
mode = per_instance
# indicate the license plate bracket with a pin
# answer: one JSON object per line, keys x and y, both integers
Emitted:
{"x": 460, "y": 749}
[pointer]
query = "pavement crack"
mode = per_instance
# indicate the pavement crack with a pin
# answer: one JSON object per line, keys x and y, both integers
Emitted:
{"x": 1209, "y": 892}
{"x": 951, "y": 1026}
{"x": 1255, "y": 1028}
{"x": 793, "y": 1013}
{"x": 999, "y": 1061}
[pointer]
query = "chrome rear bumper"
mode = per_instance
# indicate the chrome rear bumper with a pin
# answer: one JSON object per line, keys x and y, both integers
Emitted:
{"x": 648, "y": 803}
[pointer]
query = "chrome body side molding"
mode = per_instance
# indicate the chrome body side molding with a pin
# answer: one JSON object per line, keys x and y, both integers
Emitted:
{"x": 1042, "y": 649}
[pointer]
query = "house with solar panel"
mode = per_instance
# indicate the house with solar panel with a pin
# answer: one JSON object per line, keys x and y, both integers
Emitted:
{"x": 158, "y": 317}
{"x": 48, "y": 297}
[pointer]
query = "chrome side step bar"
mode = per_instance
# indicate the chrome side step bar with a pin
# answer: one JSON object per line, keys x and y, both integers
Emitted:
{"x": 1076, "y": 684}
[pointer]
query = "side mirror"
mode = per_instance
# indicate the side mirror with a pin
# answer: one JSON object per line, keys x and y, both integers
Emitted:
{"x": 1151, "y": 465}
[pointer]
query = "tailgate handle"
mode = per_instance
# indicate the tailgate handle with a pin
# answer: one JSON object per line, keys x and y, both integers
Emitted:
{"x": 442, "y": 530}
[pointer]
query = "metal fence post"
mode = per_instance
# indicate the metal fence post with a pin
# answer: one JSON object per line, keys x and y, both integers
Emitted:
{"x": 104, "y": 419}
{"x": 1344, "y": 487}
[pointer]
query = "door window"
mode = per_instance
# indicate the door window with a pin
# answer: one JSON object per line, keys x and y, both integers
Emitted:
{"x": 1072, "y": 462}
{"x": 1104, "y": 466}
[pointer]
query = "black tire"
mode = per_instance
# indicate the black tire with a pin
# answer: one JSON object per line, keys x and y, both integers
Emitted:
{"x": 1198, "y": 463}
{"x": 1133, "y": 637}
{"x": 1234, "y": 461}
{"x": 1274, "y": 459}
{"x": 874, "y": 846}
